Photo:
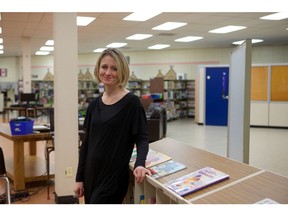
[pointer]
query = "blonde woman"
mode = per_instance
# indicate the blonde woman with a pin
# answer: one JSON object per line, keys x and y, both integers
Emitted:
{"x": 114, "y": 123}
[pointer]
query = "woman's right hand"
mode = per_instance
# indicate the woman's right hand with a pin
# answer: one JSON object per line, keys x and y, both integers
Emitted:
{"x": 79, "y": 189}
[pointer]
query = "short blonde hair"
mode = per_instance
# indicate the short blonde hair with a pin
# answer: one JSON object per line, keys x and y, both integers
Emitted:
{"x": 121, "y": 65}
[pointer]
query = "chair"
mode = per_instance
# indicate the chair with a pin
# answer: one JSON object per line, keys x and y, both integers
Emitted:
{"x": 49, "y": 147}
{"x": 4, "y": 176}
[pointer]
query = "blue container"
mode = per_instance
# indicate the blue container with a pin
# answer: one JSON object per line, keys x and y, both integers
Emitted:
{"x": 21, "y": 127}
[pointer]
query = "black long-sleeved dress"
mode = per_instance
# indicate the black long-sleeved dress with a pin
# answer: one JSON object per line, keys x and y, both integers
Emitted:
{"x": 111, "y": 132}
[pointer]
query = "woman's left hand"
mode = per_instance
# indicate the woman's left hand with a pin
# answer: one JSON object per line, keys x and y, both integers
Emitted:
{"x": 140, "y": 173}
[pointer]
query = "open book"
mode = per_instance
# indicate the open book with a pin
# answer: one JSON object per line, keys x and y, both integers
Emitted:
{"x": 153, "y": 158}
{"x": 166, "y": 168}
{"x": 195, "y": 181}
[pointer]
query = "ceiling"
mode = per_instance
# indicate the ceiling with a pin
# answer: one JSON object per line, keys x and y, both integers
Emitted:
{"x": 109, "y": 27}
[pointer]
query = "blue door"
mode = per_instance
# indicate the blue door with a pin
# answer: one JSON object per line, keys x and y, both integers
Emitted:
{"x": 216, "y": 109}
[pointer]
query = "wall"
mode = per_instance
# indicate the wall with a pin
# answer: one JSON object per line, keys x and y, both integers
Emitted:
{"x": 146, "y": 64}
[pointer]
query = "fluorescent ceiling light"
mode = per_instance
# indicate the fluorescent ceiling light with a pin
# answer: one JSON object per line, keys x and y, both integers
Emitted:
{"x": 0, "y": 30}
{"x": 253, "y": 41}
{"x": 276, "y": 16}
{"x": 116, "y": 45}
{"x": 188, "y": 39}
{"x": 41, "y": 53}
{"x": 227, "y": 29}
{"x": 1, "y": 47}
{"x": 1, "y": 51}
{"x": 1, "y": 40}
{"x": 141, "y": 16}
{"x": 159, "y": 46}
{"x": 49, "y": 42}
{"x": 169, "y": 26}
{"x": 99, "y": 50}
{"x": 139, "y": 36}
{"x": 84, "y": 21}
{"x": 45, "y": 48}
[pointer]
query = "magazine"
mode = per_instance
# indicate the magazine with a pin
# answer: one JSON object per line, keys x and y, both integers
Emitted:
{"x": 166, "y": 168}
{"x": 153, "y": 158}
{"x": 196, "y": 181}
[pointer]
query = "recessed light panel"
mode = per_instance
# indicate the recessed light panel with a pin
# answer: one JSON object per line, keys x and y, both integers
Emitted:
{"x": 159, "y": 46}
{"x": 227, "y": 29}
{"x": 141, "y": 16}
{"x": 99, "y": 50}
{"x": 1, "y": 40}
{"x": 1, "y": 47}
{"x": 116, "y": 45}
{"x": 41, "y": 53}
{"x": 169, "y": 26}
{"x": 1, "y": 51}
{"x": 84, "y": 21}
{"x": 46, "y": 48}
{"x": 275, "y": 16}
{"x": 49, "y": 42}
{"x": 253, "y": 41}
{"x": 139, "y": 36}
{"x": 188, "y": 39}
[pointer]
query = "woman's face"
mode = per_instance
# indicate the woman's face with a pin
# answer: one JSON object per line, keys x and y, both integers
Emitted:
{"x": 108, "y": 71}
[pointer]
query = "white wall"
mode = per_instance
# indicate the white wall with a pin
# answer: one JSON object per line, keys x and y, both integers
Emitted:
{"x": 146, "y": 64}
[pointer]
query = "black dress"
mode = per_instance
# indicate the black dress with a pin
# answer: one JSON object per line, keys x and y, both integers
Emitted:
{"x": 111, "y": 132}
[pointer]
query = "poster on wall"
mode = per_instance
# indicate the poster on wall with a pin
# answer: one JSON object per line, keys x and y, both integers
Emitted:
{"x": 3, "y": 72}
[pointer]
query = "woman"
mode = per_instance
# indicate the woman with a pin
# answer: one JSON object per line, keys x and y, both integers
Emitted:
{"x": 114, "y": 123}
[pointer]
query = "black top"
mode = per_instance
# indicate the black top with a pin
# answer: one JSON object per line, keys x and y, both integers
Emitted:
{"x": 111, "y": 132}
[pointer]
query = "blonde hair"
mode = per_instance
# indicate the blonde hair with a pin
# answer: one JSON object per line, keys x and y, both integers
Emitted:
{"x": 121, "y": 65}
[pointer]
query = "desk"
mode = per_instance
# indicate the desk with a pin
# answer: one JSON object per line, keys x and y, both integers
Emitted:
{"x": 246, "y": 184}
{"x": 18, "y": 171}
{"x": 21, "y": 111}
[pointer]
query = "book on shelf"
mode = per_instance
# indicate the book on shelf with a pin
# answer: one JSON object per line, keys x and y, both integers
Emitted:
{"x": 166, "y": 168}
{"x": 153, "y": 158}
{"x": 196, "y": 181}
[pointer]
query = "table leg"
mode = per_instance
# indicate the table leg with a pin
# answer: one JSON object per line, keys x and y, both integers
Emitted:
{"x": 19, "y": 167}
{"x": 32, "y": 148}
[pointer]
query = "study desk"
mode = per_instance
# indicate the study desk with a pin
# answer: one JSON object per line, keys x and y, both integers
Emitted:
{"x": 17, "y": 173}
{"x": 246, "y": 184}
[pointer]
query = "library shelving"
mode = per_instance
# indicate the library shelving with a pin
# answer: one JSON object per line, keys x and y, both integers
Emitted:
{"x": 87, "y": 86}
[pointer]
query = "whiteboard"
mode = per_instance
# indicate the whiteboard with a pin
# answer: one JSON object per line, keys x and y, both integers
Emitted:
{"x": 239, "y": 103}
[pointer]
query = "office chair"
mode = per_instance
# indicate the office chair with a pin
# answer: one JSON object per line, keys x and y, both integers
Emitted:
{"x": 4, "y": 176}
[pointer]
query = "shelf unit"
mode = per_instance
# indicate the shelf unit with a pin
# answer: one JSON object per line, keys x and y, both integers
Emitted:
{"x": 87, "y": 87}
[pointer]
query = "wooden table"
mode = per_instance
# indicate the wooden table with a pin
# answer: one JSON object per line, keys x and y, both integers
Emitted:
{"x": 18, "y": 172}
{"x": 246, "y": 184}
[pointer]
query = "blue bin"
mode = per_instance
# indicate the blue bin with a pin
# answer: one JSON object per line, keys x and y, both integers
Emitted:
{"x": 21, "y": 127}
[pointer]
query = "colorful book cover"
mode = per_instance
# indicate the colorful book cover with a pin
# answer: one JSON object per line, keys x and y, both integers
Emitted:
{"x": 196, "y": 181}
{"x": 153, "y": 158}
{"x": 166, "y": 168}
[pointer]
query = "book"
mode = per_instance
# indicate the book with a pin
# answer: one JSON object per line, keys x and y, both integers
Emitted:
{"x": 153, "y": 158}
{"x": 166, "y": 168}
{"x": 196, "y": 181}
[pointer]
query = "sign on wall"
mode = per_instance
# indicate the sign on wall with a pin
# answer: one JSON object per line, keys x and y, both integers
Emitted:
{"x": 3, "y": 72}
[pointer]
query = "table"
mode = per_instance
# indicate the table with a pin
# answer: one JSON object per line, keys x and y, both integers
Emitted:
{"x": 22, "y": 111}
{"x": 17, "y": 174}
{"x": 246, "y": 184}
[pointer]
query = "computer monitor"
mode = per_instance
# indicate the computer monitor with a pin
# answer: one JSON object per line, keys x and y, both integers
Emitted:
{"x": 27, "y": 98}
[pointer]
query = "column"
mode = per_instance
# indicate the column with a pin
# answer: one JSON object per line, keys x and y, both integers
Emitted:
{"x": 26, "y": 58}
{"x": 65, "y": 103}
